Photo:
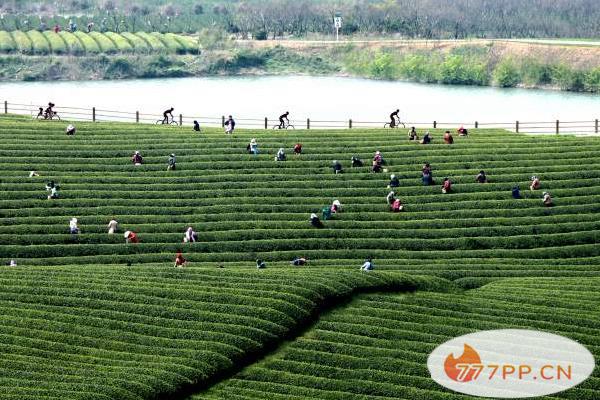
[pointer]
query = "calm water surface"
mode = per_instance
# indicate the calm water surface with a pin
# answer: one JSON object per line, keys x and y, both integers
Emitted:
{"x": 318, "y": 98}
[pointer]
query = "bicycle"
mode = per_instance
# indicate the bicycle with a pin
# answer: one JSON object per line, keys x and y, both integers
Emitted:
{"x": 169, "y": 122}
{"x": 285, "y": 126}
{"x": 398, "y": 123}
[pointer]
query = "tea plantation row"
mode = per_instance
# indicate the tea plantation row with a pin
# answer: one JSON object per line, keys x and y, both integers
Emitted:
{"x": 124, "y": 333}
{"x": 89, "y": 316}
{"x": 377, "y": 346}
{"x": 246, "y": 207}
{"x": 78, "y": 43}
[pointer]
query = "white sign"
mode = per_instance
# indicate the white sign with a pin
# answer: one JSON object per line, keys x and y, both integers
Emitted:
{"x": 337, "y": 21}
{"x": 510, "y": 364}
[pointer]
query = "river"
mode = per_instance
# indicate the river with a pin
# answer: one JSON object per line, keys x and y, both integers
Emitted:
{"x": 317, "y": 98}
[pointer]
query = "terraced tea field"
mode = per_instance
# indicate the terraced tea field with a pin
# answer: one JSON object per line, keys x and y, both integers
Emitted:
{"x": 79, "y": 43}
{"x": 88, "y": 316}
{"x": 377, "y": 346}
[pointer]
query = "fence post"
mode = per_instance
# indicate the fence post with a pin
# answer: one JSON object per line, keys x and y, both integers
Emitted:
{"x": 137, "y": 117}
{"x": 93, "y": 114}
{"x": 434, "y": 124}
{"x": 476, "y": 124}
{"x": 557, "y": 127}
{"x": 596, "y": 130}
{"x": 517, "y": 126}
{"x": 180, "y": 119}
{"x": 5, "y": 107}
{"x": 307, "y": 123}
{"x": 266, "y": 123}
{"x": 222, "y": 121}
{"x": 350, "y": 123}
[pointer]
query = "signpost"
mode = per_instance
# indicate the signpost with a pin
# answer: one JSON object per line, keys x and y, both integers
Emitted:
{"x": 337, "y": 22}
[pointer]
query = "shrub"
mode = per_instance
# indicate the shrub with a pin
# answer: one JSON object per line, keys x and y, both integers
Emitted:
{"x": 383, "y": 66}
{"x": 74, "y": 45}
{"x": 105, "y": 44}
{"x": 22, "y": 42}
{"x": 260, "y": 35}
{"x": 39, "y": 43}
{"x": 592, "y": 80}
{"x": 506, "y": 74}
{"x": 89, "y": 44}
{"x": 7, "y": 44}
{"x": 122, "y": 44}
{"x": 57, "y": 44}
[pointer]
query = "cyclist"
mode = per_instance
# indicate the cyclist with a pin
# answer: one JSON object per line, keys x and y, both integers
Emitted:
{"x": 49, "y": 112}
{"x": 393, "y": 117}
{"x": 40, "y": 112}
{"x": 282, "y": 118}
{"x": 166, "y": 115}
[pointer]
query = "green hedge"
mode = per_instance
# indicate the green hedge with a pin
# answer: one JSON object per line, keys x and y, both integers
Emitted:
{"x": 379, "y": 344}
{"x": 22, "y": 42}
{"x": 39, "y": 42}
{"x": 57, "y": 44}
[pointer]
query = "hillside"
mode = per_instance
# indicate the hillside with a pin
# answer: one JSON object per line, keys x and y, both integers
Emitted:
{"x": 90, "y": 316}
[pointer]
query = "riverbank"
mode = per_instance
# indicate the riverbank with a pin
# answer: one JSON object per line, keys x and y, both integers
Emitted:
{"x": 475, "y": 62}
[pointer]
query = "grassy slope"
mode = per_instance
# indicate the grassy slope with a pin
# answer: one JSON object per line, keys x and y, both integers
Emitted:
{"x": 377, "y": 346}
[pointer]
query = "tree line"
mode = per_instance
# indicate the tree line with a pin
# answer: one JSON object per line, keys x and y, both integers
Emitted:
{"x": 427, "y": 19}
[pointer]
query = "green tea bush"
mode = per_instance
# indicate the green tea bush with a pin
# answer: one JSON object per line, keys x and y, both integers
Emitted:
{"x": 378, "y": 344}
{"x": 139, "y": 44}
{"x": 39, "y": 42}
{"x": 122, "y": 44}
{"x": 104, "y": 42}
{"x": 153, "y": 41}
{"x": 57, "y": 44}
{"x": 22, "y": 42}
{"x": 74, "y": 44}
{"x": 88, "y": 42}
{"x": 7, "y": 44}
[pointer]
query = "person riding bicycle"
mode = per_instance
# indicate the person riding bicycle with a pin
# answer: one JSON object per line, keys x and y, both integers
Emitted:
{"x": 166, "y": 115}
{"x": 49, "y": 112}
{"x": 282, "y": 118}
{"x": 393, "y": 117}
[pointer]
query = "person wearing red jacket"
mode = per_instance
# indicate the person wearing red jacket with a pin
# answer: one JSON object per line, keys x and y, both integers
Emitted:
{"x": 131, "y": 237}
